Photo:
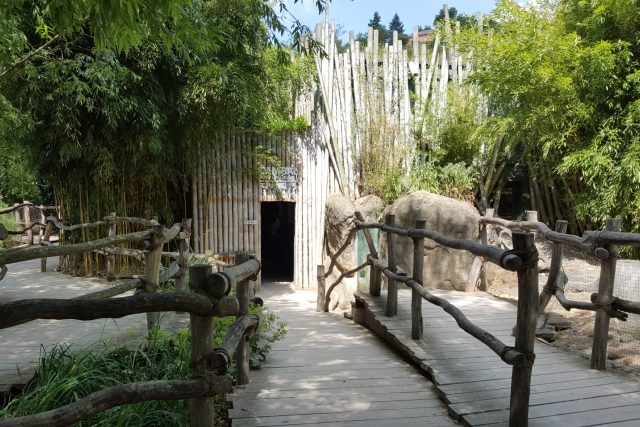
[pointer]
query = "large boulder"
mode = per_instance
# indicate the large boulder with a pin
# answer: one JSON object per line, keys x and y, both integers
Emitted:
{"x": 370, "y": 207}
{"x": 444, "y": 268}
{"x": 339, "y": 221}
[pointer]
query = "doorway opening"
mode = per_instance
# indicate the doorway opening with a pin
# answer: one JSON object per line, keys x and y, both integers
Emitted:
{"x": 278, "y": 231}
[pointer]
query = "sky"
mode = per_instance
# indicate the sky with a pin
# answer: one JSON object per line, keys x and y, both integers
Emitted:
{"x": 354, "y": 15}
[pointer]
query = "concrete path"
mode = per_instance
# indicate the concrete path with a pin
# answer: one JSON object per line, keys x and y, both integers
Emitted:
{"x": 330, "y": 371}
{"x": 22, "y": 346}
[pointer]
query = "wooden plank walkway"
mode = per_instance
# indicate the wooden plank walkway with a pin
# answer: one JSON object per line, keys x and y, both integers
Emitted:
{"x": 475, "y": 383}
{"x": 330, "y": 371}
{"x": 21, "y": 346}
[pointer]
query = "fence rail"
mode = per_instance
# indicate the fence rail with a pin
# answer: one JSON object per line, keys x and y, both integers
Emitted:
{"x": 209, "y": 298}
{"x": 602, "y": 244}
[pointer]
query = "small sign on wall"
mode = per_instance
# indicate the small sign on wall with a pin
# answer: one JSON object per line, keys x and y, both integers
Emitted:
{"x": 250, "y": 222}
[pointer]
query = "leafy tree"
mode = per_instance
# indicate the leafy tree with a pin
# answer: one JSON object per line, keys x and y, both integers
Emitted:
{"x": 113, "y": 101}
{"x": 563, "y": 81}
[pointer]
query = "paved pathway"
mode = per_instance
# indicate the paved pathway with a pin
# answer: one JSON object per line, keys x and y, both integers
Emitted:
{"x": 331, "y": 372}
{"x": 21, "y": 346}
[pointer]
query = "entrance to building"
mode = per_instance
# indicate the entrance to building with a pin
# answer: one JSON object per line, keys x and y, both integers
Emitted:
{"x": 278, "y": 231}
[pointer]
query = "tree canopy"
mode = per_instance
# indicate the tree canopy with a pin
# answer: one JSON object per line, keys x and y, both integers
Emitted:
{"x": 97, "y": 96}
{"x": 563, "y": 83}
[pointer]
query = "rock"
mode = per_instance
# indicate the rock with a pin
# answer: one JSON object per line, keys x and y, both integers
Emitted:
{"x": 615, "y": 354}
{"x": 547, "y": 334}
{"x": 444, "y": 268}
{"x": 339, "y": 221}
{"x": 626, "y": 338}
{"x": 558, "y": 322}
{"x": 370, "y": 207}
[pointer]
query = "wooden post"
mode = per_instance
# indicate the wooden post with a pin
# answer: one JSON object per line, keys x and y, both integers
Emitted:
{"x": 183, "y": 249}
{"x": 152, "y": 272}
{"x": 605, "y": 296}
{"x": 241, "y": 355}
{"x": 46, "y": 238}
{"x": 111, "y": 258}
{"x": 555, "y": 269}
{"x": 43, "y": 220}
{"x": 416, "y": 299}
{"x": 28, "y": 222}
{"x": 201, "y": 347}
{"x": 321, "y": 289}
{"x": 392, "y": 286}
{"x": 484, "y": 239}
{"x": 528, "y": 310}
{"x": 532, "y": 216}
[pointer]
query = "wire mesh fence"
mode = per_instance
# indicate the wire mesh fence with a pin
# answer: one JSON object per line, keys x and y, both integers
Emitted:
{"x": 573, "y": 330}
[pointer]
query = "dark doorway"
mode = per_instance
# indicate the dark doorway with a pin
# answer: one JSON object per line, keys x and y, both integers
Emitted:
{"x": 278, "y": 230}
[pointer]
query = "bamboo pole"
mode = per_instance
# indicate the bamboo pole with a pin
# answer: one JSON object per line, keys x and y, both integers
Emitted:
{"x": 111, "y": 258}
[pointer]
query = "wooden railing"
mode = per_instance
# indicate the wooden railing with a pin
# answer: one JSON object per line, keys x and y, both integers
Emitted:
{"x": 31, "y": 217}
{"x": 523, "y": 259}
{"x": 601, "y": 244}
{"x": 209, "y": 297}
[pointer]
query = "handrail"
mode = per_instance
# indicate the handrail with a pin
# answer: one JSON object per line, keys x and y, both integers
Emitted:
{"x": 508, "y": 354}
{"x": 501, "y": 257}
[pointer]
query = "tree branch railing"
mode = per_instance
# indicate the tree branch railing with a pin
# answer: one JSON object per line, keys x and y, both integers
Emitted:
{"x": 604, "y": 246}
{"x": 523, "y": 259}
{"x": 207, "y": 299}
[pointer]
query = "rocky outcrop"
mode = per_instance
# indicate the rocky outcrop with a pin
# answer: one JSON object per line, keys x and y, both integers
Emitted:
{"x": 444, "y": 268}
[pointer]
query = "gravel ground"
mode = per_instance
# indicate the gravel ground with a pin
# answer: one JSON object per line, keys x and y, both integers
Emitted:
{"x": 582, "y": 272}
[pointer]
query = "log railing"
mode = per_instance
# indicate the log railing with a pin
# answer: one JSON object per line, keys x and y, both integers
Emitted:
{"x": 209, "y": 297}
{"x": 523, "y": 259}
{"x": 603, "y": 245}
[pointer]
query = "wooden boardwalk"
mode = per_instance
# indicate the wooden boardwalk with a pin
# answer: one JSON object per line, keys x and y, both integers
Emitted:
{"x": 330, "y": 371}
{"x": 21, "y": 346}
{"x": 475, "y": 383}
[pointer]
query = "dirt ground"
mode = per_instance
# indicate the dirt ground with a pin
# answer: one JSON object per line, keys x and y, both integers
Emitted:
{"x": 574, "y": 329}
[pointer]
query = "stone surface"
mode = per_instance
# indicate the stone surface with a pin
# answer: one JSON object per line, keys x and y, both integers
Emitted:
{"x": 444, "y": 268}
{"x": 370, "y": 207}
{"x": 339, "y": 221}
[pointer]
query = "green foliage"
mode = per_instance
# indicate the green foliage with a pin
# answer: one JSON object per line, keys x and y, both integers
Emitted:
{"x": 565, "y": 77}
{"x": 64, "y": 376}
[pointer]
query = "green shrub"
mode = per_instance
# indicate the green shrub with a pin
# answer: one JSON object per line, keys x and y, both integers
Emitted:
{"x": 65, "y": 376}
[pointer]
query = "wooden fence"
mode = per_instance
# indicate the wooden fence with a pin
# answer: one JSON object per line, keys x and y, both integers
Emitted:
{"x": 209, "y": 297}
{"x": 523, "y": 259}
{"x": 31, "y": 218}
{"x": 603, "y": 245}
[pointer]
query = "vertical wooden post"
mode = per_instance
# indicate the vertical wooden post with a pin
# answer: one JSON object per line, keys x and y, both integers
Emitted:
{"x": 322, "y": 295}
{"x": 28, "y": 222}
{"x": 241, "y": 355}
{"x": 43, "y": 220}
{"x": 392, "y": 286}
{"x": 605, "y": 296}
{"x": 152, "y": 272}
{"x": 47, "y": 236}
{"x": 528, "y": 310}
{"x": 484, "y": 239}
{"x": 555, "y": 269}
{"x": 416, "y": 299}
{"x": 183, "y": 249}
{"x": 111, "y": 258}
{"x": 16, "y": 212}
{"x": 201, "y": 346}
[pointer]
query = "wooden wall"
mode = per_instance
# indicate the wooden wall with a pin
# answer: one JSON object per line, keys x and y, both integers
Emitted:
{"x": 227, "y": 192}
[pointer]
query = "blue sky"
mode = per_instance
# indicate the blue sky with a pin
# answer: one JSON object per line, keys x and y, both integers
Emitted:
{"x": 354, "y": 15}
